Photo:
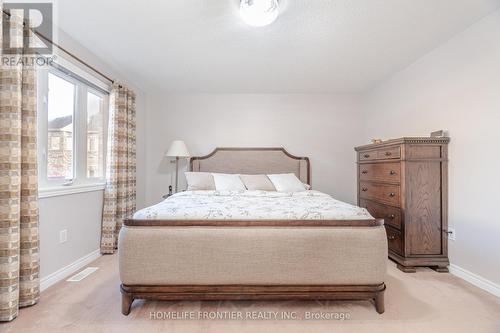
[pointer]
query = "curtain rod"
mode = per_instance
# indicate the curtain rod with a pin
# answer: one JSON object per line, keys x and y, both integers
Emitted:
{"x": 69, "y": 53}
{"x": 75, "y": 57}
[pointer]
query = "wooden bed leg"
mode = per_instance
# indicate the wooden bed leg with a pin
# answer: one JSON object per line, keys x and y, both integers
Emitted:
{"x": 379, "y": 301}
{"x": 127, "y": 301}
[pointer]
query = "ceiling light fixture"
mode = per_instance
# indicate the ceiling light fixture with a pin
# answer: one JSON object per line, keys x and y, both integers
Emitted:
{"x": 259, "y": 13}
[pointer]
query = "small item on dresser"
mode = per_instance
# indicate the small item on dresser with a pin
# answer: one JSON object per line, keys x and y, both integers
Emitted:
{"x": 439, "y": 134}
{"x": 404, "y": 181}
{"x": 376, "y": 141}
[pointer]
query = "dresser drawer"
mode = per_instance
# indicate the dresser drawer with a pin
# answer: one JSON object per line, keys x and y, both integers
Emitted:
{"x": 380, "y": 154}
{"x": 386, "y": 172}
{"x": 389, "y": 153}
{"x": 368, "y": 155}
{"x": 391, "y": 215}
{"x": 394, "y": 240}
{"x": 382, "y": 193}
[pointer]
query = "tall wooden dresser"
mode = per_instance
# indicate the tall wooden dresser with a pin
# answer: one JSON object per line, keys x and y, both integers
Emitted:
{"x": 405, "y": 182}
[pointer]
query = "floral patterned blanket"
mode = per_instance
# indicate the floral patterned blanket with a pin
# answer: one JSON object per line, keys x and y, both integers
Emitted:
{"x": 252, "y": 205}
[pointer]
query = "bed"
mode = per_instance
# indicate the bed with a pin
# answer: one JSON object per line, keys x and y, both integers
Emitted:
{"x": 252, "y": 245}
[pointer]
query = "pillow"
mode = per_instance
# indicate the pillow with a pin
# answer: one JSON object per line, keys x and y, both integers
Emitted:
{"x": 228, "y": 182}
{"x": 199, "y": 181}
{"x": 257, "y": 182}
{"x": 287, "y": 182}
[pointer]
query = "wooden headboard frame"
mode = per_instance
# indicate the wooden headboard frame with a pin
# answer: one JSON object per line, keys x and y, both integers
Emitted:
{"x": 262, "y": 156}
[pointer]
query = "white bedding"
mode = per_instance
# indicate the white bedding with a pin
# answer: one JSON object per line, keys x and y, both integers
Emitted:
{"x": 252, "y": 205}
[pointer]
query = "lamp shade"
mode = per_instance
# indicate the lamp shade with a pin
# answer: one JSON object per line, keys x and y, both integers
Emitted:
{"x": 177, "y": 149}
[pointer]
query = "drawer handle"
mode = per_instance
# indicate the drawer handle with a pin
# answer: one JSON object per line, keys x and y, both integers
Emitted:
{"x": 391, "y": 237}
{"x": 364, "y": 189}
{"x": 388, "y": 153}
{"x": 392, "y": 172}
{"x": 392, "y": 216}
{"x": 366, "y": 155}
{"x": 392, "y": 194}
{"x": 364, "y": 172}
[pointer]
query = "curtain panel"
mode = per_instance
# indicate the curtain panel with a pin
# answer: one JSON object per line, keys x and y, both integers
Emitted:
{"x": 120, "y": 190}
{"x": 19, "y": 252}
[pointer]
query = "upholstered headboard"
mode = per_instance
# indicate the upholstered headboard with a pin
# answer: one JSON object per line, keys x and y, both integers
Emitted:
{"x": 253, "y": 161}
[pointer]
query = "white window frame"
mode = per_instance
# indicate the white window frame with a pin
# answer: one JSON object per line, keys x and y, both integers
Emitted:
{"x": 80, "y": 182}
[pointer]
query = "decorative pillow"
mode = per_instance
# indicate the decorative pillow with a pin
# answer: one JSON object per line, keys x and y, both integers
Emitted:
{"x": 228, "y": 182}
{"x": 200, "y": 181}
{"x": 287, "y": 182}
{"x": 257, "y": 183}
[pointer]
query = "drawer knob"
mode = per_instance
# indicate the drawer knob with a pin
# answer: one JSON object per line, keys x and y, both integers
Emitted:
{"x": 364, "y": 189}
{"x": 366, "y": 155}
{"x": 391, "y": 237}
{"x": 392, "y": 172}
{"x": 364, "y": 172}
{"x": 388, "y": 153}
{"x": 392, "y": 216}
{"x": 392, "y": 194}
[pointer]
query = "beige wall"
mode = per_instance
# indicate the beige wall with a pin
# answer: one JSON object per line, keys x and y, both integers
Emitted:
{"x": 455, "y": 87}
{"x": 323, "y": 127}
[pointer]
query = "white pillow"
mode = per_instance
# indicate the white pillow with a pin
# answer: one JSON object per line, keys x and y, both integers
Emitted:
{"x": 228, "y": 182}
{"x": 199, "y": 181}
{"x": 287, "y": 182}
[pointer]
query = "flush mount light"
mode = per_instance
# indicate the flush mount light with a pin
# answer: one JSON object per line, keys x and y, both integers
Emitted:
{"x": 259, "y": 13}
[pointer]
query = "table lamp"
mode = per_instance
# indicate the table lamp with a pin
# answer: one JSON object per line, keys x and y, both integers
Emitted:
{"x": 177, "y": 149}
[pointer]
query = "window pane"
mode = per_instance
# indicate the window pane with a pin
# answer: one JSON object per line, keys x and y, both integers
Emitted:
{"x": 95, "y": 124}
{"x": 61, "y": 103}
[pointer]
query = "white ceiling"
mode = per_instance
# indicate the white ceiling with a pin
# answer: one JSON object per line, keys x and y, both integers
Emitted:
{"x": 315, "y": 46}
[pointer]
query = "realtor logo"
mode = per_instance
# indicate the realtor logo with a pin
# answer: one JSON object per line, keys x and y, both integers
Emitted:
{"x": 35, "y": 16}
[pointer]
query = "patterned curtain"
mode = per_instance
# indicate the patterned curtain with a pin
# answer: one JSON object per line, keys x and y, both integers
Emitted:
{"x": 119, "y": 194}
{"x": 19, "y": 261}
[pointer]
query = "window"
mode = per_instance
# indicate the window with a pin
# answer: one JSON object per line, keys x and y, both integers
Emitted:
{"x": 72, "y": 114}
{"x": 60, "y": 109}
{"x": 95, "y": 139}
{"x": 55, "y": 142}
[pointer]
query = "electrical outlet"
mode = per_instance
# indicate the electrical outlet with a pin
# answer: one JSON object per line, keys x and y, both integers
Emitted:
{"x": 452, "y": 235}
{"x": 63, "y": 236}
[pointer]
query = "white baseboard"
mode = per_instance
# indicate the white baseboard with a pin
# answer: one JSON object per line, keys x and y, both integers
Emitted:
{"x": 476, "y": 280}
{"x": 64, "y": 272}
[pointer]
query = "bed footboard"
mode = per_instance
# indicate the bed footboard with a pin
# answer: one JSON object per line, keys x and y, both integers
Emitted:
{"x": 242, "y": 262}
{"x": 374, "y": 293}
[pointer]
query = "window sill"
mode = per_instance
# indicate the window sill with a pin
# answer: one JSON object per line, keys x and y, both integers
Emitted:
{"x": 49, "y": 192}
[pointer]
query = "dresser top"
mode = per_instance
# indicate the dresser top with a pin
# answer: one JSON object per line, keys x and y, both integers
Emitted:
{"x": 417, "y": 140}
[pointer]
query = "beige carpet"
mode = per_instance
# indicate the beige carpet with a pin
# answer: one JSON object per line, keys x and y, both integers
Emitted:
{"x": 422, "y": 302}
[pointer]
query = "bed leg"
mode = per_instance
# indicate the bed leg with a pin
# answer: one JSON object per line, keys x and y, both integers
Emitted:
{"x": 127, "y": 301}
{"x": 379, "y": 301}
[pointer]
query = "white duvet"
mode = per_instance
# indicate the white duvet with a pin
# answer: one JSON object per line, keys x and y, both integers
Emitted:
{"x": 252, "y": 205}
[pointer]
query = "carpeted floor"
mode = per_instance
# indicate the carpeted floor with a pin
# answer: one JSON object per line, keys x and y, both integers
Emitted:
{"x": 422, "y": 302}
